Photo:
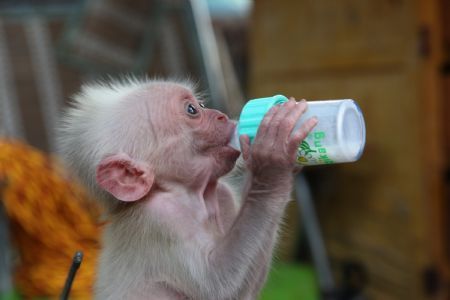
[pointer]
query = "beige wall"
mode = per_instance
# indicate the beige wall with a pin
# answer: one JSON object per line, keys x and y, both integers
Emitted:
{"x": 379, "y": 211}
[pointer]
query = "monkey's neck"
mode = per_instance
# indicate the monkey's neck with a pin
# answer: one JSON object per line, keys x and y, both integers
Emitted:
{"x": 194, "y": 176}
{"x": 204, "y": 191}
{"x": 203, "y": 196}
{"x": 199, "y": 181}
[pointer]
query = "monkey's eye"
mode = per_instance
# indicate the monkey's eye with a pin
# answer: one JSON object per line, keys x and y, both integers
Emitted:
{"x": 202, "y": 105}
{"x": 191, "y": 109}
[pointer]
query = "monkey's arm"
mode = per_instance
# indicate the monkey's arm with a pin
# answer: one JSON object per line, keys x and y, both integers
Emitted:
{"x": 244, "y": 254}
{"x": 257, "y": 272}
{"x": 261, "y": 266}
{"x": 236, "y": 181}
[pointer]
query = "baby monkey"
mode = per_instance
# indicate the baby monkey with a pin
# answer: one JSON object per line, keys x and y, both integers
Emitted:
{"x": 179, "y": 228}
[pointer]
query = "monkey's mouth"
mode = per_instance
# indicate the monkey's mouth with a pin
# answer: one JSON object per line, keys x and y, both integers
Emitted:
{"x": 230, "y": 133}
{"x": 232, "y": 139}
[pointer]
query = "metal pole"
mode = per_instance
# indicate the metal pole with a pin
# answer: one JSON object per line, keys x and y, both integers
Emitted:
{"x": 314, "y": 236}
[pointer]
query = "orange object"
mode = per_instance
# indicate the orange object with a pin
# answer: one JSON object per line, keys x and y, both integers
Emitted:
{"x": 50, "y": 217}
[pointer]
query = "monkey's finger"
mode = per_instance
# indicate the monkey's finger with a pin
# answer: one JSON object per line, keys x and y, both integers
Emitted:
{"x": 300, "y": 135}
{"x": 244, "y": 140}
{"x": 265, "y": 124}
{"x": 289, "y": 122}
{"x": 279, "y": 120}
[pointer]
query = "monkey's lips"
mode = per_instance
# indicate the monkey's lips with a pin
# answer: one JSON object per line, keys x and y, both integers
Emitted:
{"x": 230, "y": 134}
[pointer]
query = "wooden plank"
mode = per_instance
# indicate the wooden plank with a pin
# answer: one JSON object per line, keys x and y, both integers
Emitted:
{"x": 384, "y": 210}
{"x": 433, "y": 124}
{"x": 312, "y": 35}
{"x": 24, "y": 81}
{"x": 25, "y": 86}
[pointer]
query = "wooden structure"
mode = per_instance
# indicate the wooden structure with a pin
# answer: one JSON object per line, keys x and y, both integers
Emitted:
{"x": 386, "y": 212}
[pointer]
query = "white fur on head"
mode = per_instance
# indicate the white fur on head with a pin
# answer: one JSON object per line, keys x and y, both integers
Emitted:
{"x": 95, "y": 125}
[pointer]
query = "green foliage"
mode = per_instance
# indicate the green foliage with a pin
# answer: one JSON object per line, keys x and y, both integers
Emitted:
{"x": 12, "y": 295}
{"x": 291, "y": 282}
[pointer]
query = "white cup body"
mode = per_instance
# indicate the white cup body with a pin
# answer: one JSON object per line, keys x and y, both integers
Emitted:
{"x": 339, "y": 135}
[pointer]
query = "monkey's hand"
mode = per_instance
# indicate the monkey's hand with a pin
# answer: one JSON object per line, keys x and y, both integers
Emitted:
{"x": 273, "y": 153}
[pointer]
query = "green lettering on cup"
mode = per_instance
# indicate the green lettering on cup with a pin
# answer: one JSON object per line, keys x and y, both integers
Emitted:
{"x": 319, "y": 135}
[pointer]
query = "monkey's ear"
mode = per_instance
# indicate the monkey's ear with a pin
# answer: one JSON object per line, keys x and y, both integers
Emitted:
{"x": 124, "y": 178}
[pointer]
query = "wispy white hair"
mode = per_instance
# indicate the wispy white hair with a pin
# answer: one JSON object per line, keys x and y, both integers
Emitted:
{"x": 91, "y": 127}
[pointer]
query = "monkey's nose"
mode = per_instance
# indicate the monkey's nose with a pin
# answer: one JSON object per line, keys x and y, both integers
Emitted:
{"x": 221, "y": 117}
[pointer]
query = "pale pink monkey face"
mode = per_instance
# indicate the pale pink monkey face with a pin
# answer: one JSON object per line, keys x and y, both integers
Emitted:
{"x": 179, "y": 116}
{"x": 211, "y": 131}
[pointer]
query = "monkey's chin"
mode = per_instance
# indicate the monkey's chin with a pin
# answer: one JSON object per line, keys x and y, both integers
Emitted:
{"x": 226, "y": 159}
{"x": 232, "y": 153}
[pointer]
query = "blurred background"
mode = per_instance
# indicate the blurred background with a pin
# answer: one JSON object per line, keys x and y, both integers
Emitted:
{"x": 374, "y": 229}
